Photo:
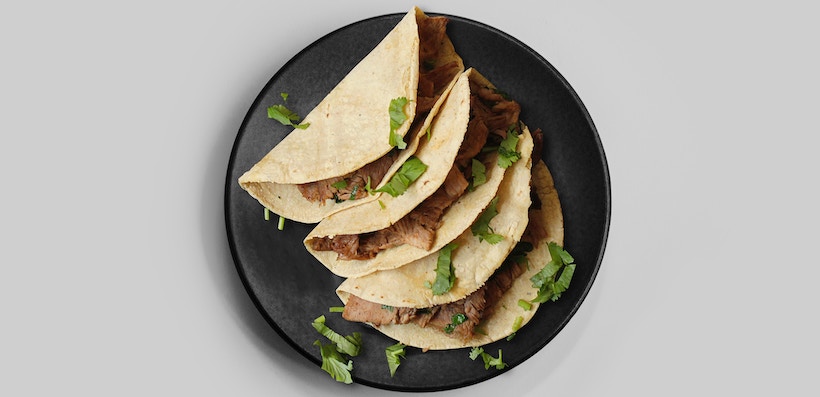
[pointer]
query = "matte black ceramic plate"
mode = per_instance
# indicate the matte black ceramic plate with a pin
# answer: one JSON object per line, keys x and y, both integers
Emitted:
{"x": 290, "y": 288}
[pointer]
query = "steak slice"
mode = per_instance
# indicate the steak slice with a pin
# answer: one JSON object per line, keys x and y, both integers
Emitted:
{"x": 472, "y": 309}
{"x": 350, "y": 186}
{"x": 417, "y": 228}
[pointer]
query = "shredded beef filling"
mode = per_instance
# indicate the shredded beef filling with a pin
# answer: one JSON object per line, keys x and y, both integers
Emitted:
{"x": 476, "y": 307}
{"x": 491, "y": 114}
{"x": 416, "y": 228}
{"x": 434, "y": 76}
{"x": 350, "y": 186}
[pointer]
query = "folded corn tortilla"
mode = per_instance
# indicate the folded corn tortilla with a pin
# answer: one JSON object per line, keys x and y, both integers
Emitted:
{"x": 438, "y": 153}
{"x": 474, "y": 265}
{"x": 350, "y": 127}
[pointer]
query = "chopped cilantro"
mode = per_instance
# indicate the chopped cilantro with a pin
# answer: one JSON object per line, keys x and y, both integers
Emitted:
{"x": 350, "y": 345}
{"x": 506, "y": 151}
{"x": 397, "y": 118}
{"x": 517, "y": 323}
{"x": 284, "y": 115}
{"x": 445, "y": 273}
{"x": 381, "y": 204}
{"x": 267, "y": 214}
{"x": 489, "y": 360}
{"x": 406, "y": 175}
{"x": 455, "y": 321}
{"x": 334, "y": 363}
{"x": 479, "y": 174}
{"x": 394, "y": 353}
{"x": 481, "y": 228}
{"x": 524, "y": 304}
{"x": 556, "y": 275}
{"x": 475, "y": 352}
{"x": 281, "y": 224}
{"x": 333, "y": 354}
{"x": 341, "y": 184}
{"x": 336, "y": 309}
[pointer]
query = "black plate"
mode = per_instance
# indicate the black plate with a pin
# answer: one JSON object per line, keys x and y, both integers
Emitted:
{"x": 290, "y": 288}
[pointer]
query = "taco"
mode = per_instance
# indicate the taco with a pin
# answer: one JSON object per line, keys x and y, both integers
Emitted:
{"x": 487, "y": 286}
{"x": 407, "y": 75}
{"x": 467, "y": 151}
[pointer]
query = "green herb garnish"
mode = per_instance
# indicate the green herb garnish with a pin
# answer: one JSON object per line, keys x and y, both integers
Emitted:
{"x": 336, "y": 309}
{"x": 341, "y": 184}
{"x": 517, "y": 323}
{"x": 406, "y": 175}
{"x": 281, "y": 224}
{"x": 481, "y": 228}
{"x": 445, "y": 273}
{"x": 397, "y": 118}
{"x": 507, "y": 154}
{"x": 349, "y": 345}
{"x": 455, "y": 321}
{"x": 479, "y": 174}
{"x": 336, "y": 356}
{"x": 284, "y": 115}
{"x": 524, "y": 304}
{"x": 394, "y": 353}
{"x": 334, "y": 363}
{"x": 489, "y": 360}
{"x": 556, "y": 275}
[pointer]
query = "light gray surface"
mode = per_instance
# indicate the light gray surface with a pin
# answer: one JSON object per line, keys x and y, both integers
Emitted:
{"x": 118, "y": 120}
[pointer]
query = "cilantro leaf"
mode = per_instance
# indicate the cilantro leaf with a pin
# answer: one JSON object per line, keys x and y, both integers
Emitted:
{"x": 406, "y": 175}
{"x": 481, "y": 228}
{"x": 394, "y": 353}
{"x": 397, "y": 118}
{"x": 479, "y": 174}
{"x": 445, "y": 273}
{"x": 507, "y": 154}
{"x": 476, "y": 352}
{"x": 334, "y": 363}
{"x": 284, "y": 115}
{"x": 554, "y": 278}
{"x": 455, "y": 321}
{"x": 350, "y": 345}
{"x": 341, "y": 184}
{"x": 489, "y": 361}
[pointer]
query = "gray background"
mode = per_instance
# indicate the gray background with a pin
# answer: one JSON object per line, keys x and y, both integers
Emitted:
{"x": 118, "y": 120}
